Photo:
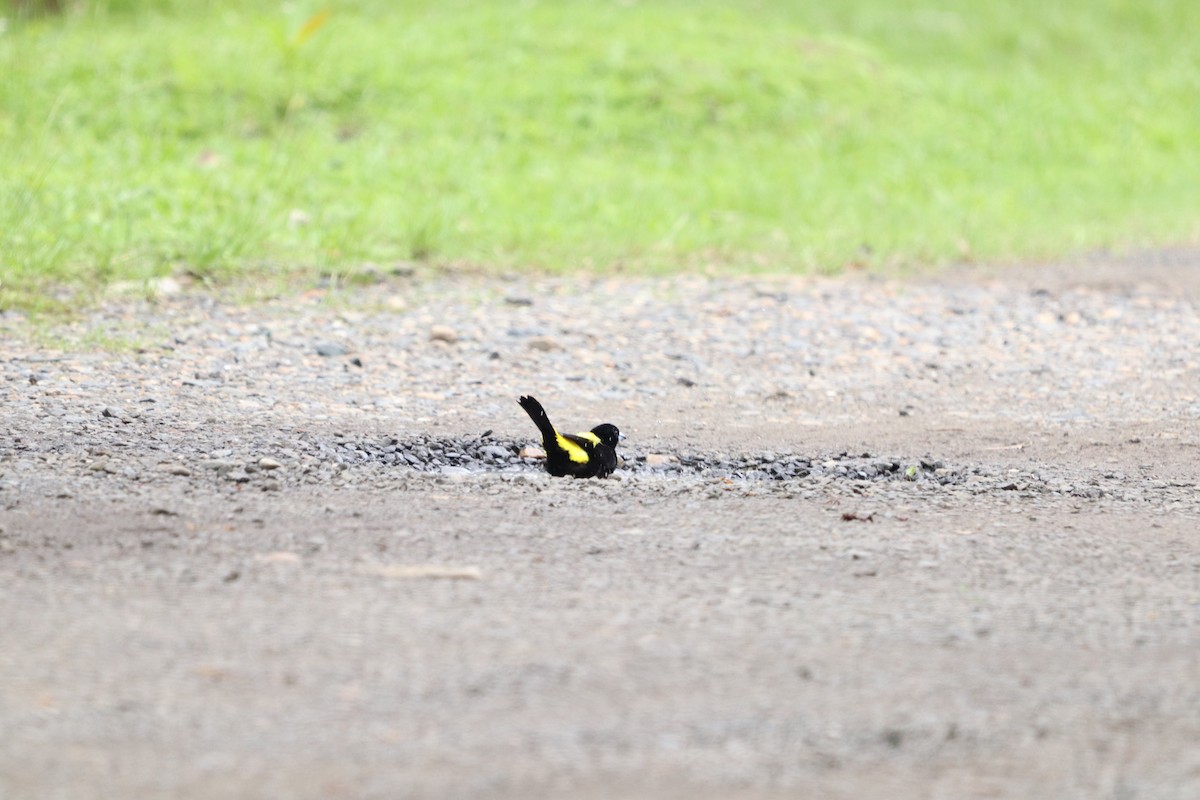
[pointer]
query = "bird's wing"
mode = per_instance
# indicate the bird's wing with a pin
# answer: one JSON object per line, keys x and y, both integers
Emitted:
{"x": 573, "y": 447}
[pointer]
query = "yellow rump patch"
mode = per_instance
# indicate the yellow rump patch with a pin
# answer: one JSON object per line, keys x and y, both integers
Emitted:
{"x": 574, "y": 451}
{"x": 591, "y": 437}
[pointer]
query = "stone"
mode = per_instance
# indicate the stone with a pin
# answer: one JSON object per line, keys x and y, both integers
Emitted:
{"x": 443, "y": 333}
{"x": 330, "y": 349}
{"x": 544, "y": 344}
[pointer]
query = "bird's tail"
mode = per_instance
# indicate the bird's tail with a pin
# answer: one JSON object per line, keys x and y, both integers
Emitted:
{"x": 538, "y": 414}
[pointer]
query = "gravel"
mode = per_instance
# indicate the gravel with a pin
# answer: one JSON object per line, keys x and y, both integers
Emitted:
{"x": 760, "y": 368}
{"x": 487, "y": 453}
{"x": 869, "y": 537}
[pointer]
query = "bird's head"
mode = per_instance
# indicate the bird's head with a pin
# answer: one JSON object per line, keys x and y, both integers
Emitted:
{"x": 608, "y": 434}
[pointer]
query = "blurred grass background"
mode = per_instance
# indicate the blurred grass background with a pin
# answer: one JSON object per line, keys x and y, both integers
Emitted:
{"x": 231, "y": 140}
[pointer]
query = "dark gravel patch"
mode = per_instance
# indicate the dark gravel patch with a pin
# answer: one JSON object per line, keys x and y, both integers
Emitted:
{"x": 487, "y": 453}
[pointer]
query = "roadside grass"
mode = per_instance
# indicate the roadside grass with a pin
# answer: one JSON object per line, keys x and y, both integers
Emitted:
{"x": 226, "y": 140}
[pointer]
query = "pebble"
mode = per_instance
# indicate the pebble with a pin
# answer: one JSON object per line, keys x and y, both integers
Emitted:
{"x": 443, "y": 333}
{"x": 544, "y": 344}
{"x": 266, "y": 462}
{"x": 279, "y": 557}
{"x": 330, "y": 349}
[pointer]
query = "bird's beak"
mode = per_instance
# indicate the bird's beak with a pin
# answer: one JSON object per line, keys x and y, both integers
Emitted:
{"x": 620, "y": 437}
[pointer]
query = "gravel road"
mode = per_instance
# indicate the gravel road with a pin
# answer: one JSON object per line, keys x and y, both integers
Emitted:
{"x": 931, "y": 537}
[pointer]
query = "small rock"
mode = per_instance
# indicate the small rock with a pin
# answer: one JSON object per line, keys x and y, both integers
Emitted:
{"x": 237, "y": 476}
{"x": 443, "y": 333}
{"x": 266, "y": 462}
{"x": 543, "y": 344}
{"x": 113, "y": 411}
{"x": 330, "y": 349}
{"x": 279, "y": 557}
{"x": 165, "y": 286}
{"x": 529, "y": 451}
{"x": 177, "y": 469}
{"x": 659, "y": 459}
{"x": 271, "y": 485}
{"x": 451, "y": 470}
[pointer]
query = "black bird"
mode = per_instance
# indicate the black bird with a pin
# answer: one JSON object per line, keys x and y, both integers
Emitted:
{"x": 583, "y": 455}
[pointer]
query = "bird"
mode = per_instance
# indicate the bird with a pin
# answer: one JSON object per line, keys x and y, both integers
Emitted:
{"x": 583, "y": 455}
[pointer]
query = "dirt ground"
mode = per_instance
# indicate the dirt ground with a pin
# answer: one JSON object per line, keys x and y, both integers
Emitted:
{"x": 182, "y": 619}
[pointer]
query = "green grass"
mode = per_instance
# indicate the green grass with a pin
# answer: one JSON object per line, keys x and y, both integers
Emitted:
{"x": 139, "y": 139}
